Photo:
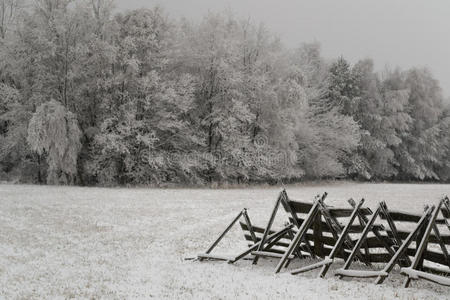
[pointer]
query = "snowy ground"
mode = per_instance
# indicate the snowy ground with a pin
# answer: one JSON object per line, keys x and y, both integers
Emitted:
{"x": 63, "y": 242}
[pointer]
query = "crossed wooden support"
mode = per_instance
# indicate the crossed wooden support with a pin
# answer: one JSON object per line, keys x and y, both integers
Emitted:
{"x": 282, "y": 199}
{"x": 257, "y": 249}
{"x": 300, "y": 234}
{"x": 326, "y": 263}
{"x": 399, "y": 254}
{"x": 414, "y": 270}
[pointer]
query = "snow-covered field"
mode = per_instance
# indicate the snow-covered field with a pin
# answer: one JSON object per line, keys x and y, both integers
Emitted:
{"x": 69, "y": 242}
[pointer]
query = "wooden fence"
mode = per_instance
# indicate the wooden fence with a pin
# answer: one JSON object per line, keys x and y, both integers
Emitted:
{"x": 391, "y": 231}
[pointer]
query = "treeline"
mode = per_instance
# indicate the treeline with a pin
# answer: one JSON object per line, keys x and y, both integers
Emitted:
{"x": 93, "y": 97}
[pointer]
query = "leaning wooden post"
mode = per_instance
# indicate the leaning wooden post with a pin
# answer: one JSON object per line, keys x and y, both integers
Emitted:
{"x": 317, "y": 229}
{"x": 341, "y": 239}
{"x": 375, "y": 231}
{"x": 437, "y": 233}
{"x": 269, "y": 226}
{"x": 336, "y": 229}
{"x": 390, "y": 265}
{"x": 287, "y": 206}
{"x": 384, "y": 210}
{"x": 326, "y": 263}
{"x": 360, "y": 241}
{"x": 423, "y": 243}
{"x": 419, "y": 238}
{"x": 299, "y": 235}
{"x": 447, "y": 207}
{"x": 249, "y": 225}
{"x": 214, "y": 244}
{"x": 442, "y": 244}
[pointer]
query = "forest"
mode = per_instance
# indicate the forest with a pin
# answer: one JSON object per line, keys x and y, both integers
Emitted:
{"x": 90, "y": 95}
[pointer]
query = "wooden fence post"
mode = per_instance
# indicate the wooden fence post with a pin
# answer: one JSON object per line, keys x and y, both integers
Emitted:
{"x": 317, "y": 229}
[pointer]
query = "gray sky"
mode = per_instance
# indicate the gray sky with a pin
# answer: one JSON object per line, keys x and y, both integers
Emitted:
{"x": 401, "y": 33}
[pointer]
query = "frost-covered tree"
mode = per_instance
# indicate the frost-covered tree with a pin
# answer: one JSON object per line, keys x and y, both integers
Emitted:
{"x": 160, "y": 101}
{"x": 422, "y": 152}
{"x": 332, "y": 135}
{"x": 16, "y": 160}
{"x": 53, "y": 131}
{"x": 146, "y": 134}
{"x": 380, "y": 109}
{"x": 213, "y": 57}
{"x": 342, "y": 90}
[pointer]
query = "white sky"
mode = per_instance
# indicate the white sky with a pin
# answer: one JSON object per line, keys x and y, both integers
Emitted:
{"x": 401, "y": 33}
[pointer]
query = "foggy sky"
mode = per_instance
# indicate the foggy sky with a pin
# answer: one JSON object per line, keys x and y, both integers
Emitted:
{"x": 393, "y": 33}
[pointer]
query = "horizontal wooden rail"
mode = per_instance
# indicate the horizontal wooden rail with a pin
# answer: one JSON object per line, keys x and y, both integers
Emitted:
{"x": 355, "y": 228}
{"x": 433, "y": 240}
{"x": 402, "y": 216}
{"x": 303, "y": 208}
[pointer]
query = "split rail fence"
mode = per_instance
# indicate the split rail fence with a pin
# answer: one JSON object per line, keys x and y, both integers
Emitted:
{"x": 418, "y": 243}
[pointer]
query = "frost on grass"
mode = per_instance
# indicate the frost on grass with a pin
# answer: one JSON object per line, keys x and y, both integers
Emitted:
{"x": 61, "y": 242}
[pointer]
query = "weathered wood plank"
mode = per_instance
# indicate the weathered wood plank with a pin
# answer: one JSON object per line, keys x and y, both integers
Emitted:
{"x": 431, "y": 256}
{"x": 213, "y": 256}
{"x": 272, "y": 250}
{"x": 432, "y": 238}
{"x": 256, "y": 229}
{"x": 360, "y": 273}
{"x": 355, "y": 228}
{"x": 320, "y": 264}
{"x": 278, "y": 243}
{"x": 416, "y": 274}
{"x": 338, "y": 212}
{"x": 402, "y": 216}
{"x": 270, "y": 254}
{"x": 435, "y": 270}
{"x": 374, "y": 242}
{"x": 300, "y": 207}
